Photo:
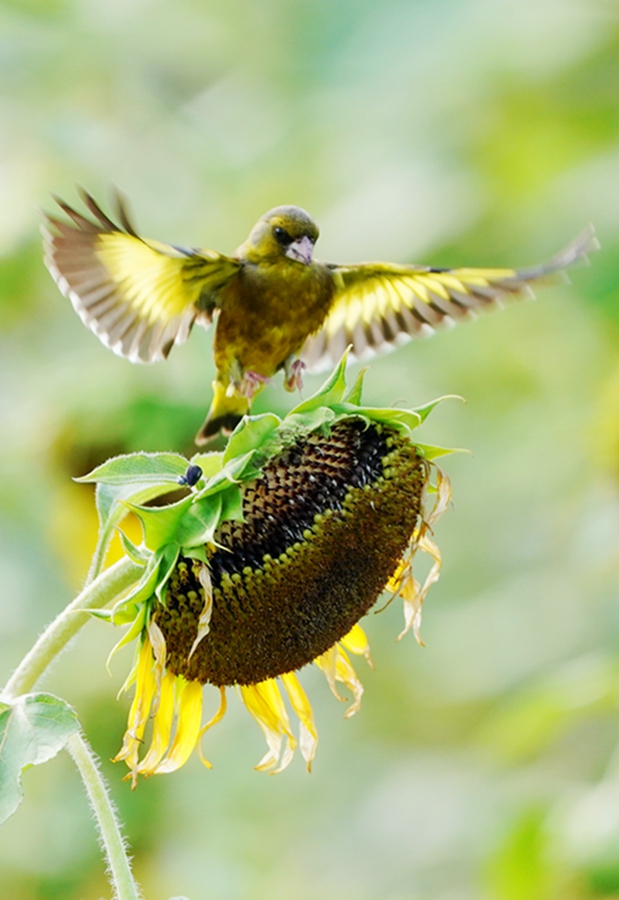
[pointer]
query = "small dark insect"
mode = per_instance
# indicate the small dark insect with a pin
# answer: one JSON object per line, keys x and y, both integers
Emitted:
{"x": 191, "y": 477}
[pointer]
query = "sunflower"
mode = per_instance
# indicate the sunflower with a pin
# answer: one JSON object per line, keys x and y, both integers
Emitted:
{"x": 280, "y": 546}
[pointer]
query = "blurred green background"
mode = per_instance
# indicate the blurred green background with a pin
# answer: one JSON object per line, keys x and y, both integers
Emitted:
{"x": 462, "y": 132}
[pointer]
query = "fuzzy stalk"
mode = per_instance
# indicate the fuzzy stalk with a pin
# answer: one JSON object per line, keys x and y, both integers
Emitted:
{"x": 96, "y": 595}
{"x": 119, "y": 868}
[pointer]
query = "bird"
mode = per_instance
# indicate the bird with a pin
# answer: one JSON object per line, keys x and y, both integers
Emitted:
{"x": 273, "y": 304}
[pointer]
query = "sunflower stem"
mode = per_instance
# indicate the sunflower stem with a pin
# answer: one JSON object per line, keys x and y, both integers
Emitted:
{"x": 121, "y": 878}
{"x": 98, "y": 557}
{"x": 105, "y": 588}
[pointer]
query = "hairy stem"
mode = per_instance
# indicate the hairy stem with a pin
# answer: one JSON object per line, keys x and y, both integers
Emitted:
{"x": 95, "y": 595}
{"x": 121, "y": 878}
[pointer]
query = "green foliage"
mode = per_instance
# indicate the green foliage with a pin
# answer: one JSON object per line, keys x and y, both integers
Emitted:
{"x": 33, "y": 729}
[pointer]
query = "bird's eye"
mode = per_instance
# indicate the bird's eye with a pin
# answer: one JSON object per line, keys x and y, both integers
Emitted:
{"x": 282, "y": 236}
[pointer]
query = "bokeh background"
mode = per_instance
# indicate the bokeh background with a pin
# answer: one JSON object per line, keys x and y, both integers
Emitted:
{"x": 462, "y": 132}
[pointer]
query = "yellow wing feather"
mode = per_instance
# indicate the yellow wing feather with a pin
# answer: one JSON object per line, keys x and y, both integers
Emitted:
{"x": 139, "y": 296}
{"x": 378, "y": 306}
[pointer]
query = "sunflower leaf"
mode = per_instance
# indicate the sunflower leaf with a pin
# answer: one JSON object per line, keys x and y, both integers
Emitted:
{"x": 138, "y": 468}
{"x": 199, "y": 523}
{"x": 230, "y": 474}
{"x": 424, "y": 411}
{"x": 169, "y": 559}
{"x": 139, "y": 555}
{"x": 210, "y": 463}
{"x": 160, "y": 523}
{"x": 308, "y": 420}
{"x": 135, "y": 628}
{"x": 353, "y": 394}
{"x": 33, "y": 729}
{"x": 251, "y": 434}
{"x": 431, "y": 452}
{"x": 231, "y": 504}
{"x": 144, "y": 589}
{"x": 396, "y": 418}
{"x": 331, "y": 392}
{"x": 111, "y": 508}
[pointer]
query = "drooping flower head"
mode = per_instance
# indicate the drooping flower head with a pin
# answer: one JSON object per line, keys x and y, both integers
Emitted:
{"x": 281, "y": 545}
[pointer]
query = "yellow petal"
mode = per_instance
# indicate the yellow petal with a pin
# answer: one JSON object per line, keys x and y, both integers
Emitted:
{"x": 159, "y": 649}
{"x": 204, "y": 622}
{"x": 189, "y": 703}
{"x": 216, "y": 718}
{"x": 413, "y": 596}
{"x": 140, "y": 708}
{"x": 308, "y": 736}
{"x": 162, "y": 727}
{"x": 356, "y": 642}
{"x": 264, "y": 702}
{"x": 337, "y": 667}
{"x": 327, "y": 663}
{"x": 443, "y": 497}
{"x": 345, "y": 672}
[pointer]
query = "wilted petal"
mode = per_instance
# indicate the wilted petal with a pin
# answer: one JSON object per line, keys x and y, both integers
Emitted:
{"x": 145, "y": 685}
{"x": 308, "y": 736}
{"x": 216, "y": 718}
{"x": 158, "y": 644}
{"x": 412, "y": 595}
{"x": 204, "y": 622}
{"x": 337, "y": 667}
{"x": 264, "y": 702}
{"x": 345, "y": 672}
{"x": 327, "y": 663}
{"x": 443, "y": 497}
{"x": 162, "y": 727}
{"x": 189, "y": 704}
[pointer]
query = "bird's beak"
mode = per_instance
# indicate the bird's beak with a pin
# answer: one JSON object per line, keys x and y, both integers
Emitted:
{"x": 301, "y": 250}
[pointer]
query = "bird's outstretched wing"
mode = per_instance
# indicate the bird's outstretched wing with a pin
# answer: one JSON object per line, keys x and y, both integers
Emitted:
{"x": 140, "y": 297}
{"x": 378, "y": 306}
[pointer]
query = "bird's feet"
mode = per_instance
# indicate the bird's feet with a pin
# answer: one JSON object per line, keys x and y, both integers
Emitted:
{"x": 250, "y": 384}
{"x": 293, "y": 372}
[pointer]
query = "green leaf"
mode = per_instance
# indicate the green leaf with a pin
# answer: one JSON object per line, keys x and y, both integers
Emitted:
{"x": 353, "y": 394}
{"x": 198, "y": 553}
{"x": 398, "y": 418}
{"x": 112, "y": 510}
{"x": 331, "y": 392}
{"x": 231, "y": 504}
{"x": 139, "y": 555}
{"x": 135, "y": 628}
{"x": 424, "y": 411}
{"x": 32, "y": 730}
{"x": 210, "y": 463}
{"x": 139, "y": 468}
{"x": 310, "y": 420}
{"x": 230, "y": 474}
{"x": 251, "y": 434}
{"x": 104, "y": 614}
{"x": 431, "y": 452}
{"x": 169, "y": 559}
{"x": 124, "y": 609}
{"x": 200, "y": 521}
{"x": 161, "y": 523}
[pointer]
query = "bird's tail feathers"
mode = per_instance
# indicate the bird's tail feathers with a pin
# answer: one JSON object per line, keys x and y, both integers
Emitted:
{"x": 224, "y": 415}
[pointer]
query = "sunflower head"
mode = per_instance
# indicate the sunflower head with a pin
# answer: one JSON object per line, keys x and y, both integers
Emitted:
{"x": 281, "y": 545}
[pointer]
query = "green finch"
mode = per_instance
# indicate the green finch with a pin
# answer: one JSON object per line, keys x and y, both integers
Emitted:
{"x": 274, "y": 306}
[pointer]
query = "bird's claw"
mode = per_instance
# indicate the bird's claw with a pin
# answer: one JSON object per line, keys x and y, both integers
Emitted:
{"x": 294, "y": 375}
{"x": 250, "y": 384}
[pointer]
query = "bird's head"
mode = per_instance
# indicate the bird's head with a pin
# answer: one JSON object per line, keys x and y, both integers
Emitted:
{"x": 286, "y": 231}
